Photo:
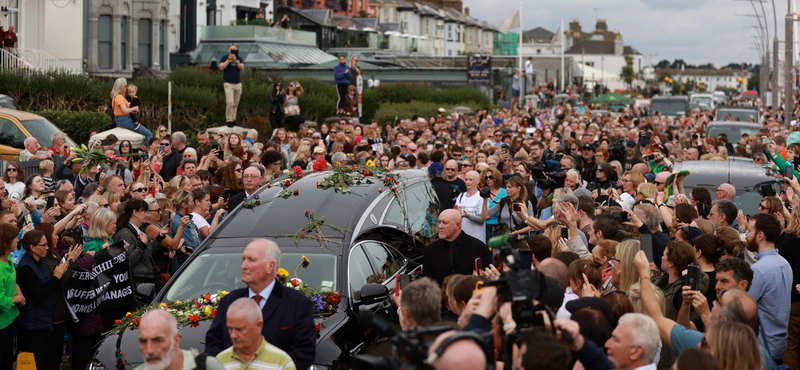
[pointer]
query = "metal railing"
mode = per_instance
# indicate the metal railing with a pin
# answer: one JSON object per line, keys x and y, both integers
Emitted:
{"x": 31, "y": 60}
{"x": 11, "y": 61}
{"x": 43, "y": 61}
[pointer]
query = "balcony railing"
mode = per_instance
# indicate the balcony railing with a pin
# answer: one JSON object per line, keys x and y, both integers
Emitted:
{"x": 257, "y": 32}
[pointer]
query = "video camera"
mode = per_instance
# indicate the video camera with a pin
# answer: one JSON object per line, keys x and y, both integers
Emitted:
{"x": 617, "y": 150}
{"x": 413, "y": 346}
{"x": 523, "y": 287}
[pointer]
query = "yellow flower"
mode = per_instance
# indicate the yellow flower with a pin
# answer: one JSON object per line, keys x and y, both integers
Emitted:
{"x": 162, "y": 305}
{"x": 207, "y": 310}
{"x": 222, "y": 293}
{"x": 283, "y": 273}
{"x": 178, "y": 302}
{"x": 305, "y": 262}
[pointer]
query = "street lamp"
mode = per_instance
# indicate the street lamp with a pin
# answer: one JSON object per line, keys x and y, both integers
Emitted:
{"x": 5, "y": 11}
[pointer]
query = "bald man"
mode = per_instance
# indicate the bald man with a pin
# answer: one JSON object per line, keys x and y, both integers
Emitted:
{"x": 725, "y": 192}
{"x": 661, "y": 179}
{"x": 463, "y": 354}
{"x": 160, "y": 341}
{"x": 288, "y": 315}
{"x": 454, "y": 252}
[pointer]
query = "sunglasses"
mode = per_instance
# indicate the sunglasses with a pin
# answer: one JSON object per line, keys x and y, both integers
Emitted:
{"x": 125, "y": 145}
{"x": 162, "y": 130}
{"x": 166, "y": 144}
{"x": 11, "y": 170}
{"x": 468, "y": 151}
{"x": 489, "y": 177}
{"x": 139, "y": 190}
{"x": 239, "y": 170}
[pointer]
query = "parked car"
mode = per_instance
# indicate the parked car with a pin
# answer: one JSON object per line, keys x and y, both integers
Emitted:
{"x": 363, "y": 262}
{"x": 733, "y": 129}
{"x": 704, "y": 100}
{"x": 16, "y": 126}
{"x": 745, "y": 176}
{"x": 742, "y": 113}
{"x": 7, "y": 102}
{"x": 670, "y": 106}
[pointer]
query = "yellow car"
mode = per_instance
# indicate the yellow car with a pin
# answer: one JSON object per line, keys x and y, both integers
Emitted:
{"x": 16, "y": 126}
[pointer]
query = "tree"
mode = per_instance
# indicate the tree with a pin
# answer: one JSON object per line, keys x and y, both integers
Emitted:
{"x": 754, "y": 82}
{"x": 663, "y": 64}
{"x": 628, "y": 74}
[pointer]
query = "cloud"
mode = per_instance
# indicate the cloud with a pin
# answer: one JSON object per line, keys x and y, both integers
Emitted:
{"x": 705, "y": 31}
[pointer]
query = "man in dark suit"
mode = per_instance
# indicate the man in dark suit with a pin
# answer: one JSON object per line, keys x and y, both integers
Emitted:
{"x": 290, "y": 328}
{"x": 454, "y": 252}
{"x": 251, "y": 178}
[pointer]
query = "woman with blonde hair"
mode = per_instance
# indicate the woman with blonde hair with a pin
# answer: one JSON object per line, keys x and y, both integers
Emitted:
{"x": 122, "y": 110}
{"x": 734, "y": 345}
{"x": 706, "y": 226}
{"x": 114, "y": 199}
{"x": 182, "y": 201}
{"x": 101, "y": 230}
{"x": 302, "y": 157}
{"x": 624, "y": 274}
{"x": 553, "y": 233}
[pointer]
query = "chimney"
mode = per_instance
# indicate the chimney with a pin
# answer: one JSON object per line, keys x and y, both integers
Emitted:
{"x": 618, "y": 47}
{"x": 466, "y": 10}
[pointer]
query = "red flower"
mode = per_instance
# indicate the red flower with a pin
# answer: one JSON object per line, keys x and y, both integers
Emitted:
{"x": 319, "y": 326}
{"x": 287, "y": 183}
{"x": 195, "y": 324}
{"x": 194, "y": 318}
{"x": 319, "y": 165}
{"x": 298, "y": 172}
{"x": 269, "y": 186}
{"x": 319, "y": 184}
{"x": 213, "y": 313}
{"x": 380, "y": 190}
{"x": 294, "y": 282}
{"x": 117, "y": 322}
{"x": 296, "y": 192}
{"x": 207, "y": 297}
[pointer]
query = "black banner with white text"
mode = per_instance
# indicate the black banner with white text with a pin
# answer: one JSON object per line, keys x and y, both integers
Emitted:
{"x": 107, "y": 284}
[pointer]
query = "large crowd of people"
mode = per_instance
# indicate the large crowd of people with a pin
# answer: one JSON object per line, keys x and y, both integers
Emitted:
{"x": 586, "y": 190}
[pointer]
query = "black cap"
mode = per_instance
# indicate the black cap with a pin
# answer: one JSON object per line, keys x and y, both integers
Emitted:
{"x": 630, "y": 143}
{"x": 588, "y": 146}
{"x": 594, "y": 303}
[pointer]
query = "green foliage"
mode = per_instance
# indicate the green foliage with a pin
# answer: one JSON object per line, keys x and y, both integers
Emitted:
{"x": 76, "y": 124}
{"x": 198, "y": 99}
{"x": 754, "y": 82}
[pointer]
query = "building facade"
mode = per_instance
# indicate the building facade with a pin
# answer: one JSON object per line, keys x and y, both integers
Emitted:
{"x": 126, "y": 35}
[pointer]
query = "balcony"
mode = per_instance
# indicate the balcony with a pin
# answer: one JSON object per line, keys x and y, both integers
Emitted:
{"x": 258, "y": 33}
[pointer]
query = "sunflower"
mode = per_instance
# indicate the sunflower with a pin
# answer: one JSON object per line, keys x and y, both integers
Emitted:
{"x": 305, "y": 262}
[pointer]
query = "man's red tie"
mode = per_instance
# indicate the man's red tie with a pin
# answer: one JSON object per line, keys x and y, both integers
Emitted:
{"x": 257, "y": 298}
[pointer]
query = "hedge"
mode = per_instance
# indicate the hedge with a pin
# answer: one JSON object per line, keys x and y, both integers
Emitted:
{"x": 198, "y": 100}
{"x": 76, "y": 124}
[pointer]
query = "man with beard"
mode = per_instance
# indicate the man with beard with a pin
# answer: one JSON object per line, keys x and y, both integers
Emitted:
{"x": 160, "y": 341}
{"x": 631, "y": 156}
{"x": 772, "y": 283}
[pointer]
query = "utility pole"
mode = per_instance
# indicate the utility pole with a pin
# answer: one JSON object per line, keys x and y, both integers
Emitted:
{"x": 776, "y": 97}
{"x": 788, "y": 83}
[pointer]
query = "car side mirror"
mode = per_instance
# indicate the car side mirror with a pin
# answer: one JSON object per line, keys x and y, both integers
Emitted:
{"x": 373, "y": 293}
{"x": 146, "y": 291}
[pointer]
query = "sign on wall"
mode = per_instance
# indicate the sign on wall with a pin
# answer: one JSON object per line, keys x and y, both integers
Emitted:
{"x": 479, "y": 70}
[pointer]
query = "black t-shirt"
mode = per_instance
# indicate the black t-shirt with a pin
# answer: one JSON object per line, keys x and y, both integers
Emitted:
{"x": 459, "y": 183}
{"x": 787, "y": 248}
{"x": 232, "y": 74}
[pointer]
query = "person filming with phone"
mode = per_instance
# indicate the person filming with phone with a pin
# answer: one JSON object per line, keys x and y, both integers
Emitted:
{"x": 232, "y": 66}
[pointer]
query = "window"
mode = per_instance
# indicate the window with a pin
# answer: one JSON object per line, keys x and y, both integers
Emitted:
{"x": 211, "y": 15}
{"x": 10, "y": 134}
{"x": 359, "y": 271}
{"x": 161, "y": 30}
{"x": 423, "y": 212}
{"x": 104, "y": 37}
{"x": 385, "y": 15}
{"x": 382, "y": 260}
{"x": 449, "y": 32}
{"x": 145, "y": 38}
{"x": 124, "y": 42}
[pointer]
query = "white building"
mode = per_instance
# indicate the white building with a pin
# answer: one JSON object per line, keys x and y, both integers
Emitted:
{"x": 714, "y": 79}
{"x": 48, "y": 31}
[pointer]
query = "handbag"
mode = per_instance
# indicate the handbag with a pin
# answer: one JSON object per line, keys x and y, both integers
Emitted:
{"x": 164, "y": 276}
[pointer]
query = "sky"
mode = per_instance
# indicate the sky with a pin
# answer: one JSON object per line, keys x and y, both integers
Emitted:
{"x": 697, "y": 31}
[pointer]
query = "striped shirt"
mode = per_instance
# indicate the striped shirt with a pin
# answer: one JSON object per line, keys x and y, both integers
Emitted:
{"x": 268, "y": 357}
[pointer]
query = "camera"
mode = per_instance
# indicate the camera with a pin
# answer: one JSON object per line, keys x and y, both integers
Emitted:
{"x": 486, "y": 192}
{"x": 650, "y": 157}
{"x": 413, "y": 346}
{"x": 374, "y": 141}
{"x": 617, "y": 150}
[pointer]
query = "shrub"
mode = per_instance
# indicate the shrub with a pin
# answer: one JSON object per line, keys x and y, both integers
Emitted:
{"x": 76, "y": 124}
